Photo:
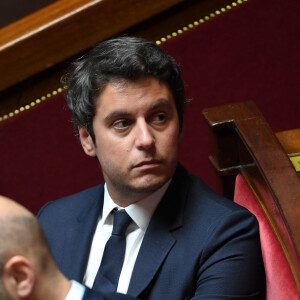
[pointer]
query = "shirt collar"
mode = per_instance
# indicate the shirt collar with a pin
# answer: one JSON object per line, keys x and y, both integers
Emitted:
{"x": 140, "y": 212}
{"x": 76, "y": 291}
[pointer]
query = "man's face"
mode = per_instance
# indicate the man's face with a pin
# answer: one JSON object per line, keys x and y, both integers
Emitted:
{"x": 137, "y": 137}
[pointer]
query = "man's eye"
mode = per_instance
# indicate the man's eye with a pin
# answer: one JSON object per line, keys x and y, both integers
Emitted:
{"x": 160, "y": 117}
{"x": 121, "y": 124}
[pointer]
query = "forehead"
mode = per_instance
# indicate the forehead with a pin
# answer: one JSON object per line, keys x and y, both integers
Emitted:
{"x": 140, "y": 94}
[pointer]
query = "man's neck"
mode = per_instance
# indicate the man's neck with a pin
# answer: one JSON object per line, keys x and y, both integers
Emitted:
{"x": 55, "y": 288}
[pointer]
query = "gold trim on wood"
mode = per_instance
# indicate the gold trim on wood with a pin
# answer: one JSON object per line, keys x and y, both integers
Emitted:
{"x": 200, "y": 21}
{"x": 30, "y": 105}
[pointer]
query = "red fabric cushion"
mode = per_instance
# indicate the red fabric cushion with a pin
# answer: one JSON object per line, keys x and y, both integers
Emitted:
{"x": 280, "y": 283}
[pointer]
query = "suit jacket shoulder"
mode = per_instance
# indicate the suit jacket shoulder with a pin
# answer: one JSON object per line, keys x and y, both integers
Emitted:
{"x": 69, "y": 225}
{"x": 198, "y": 245}
{"x": 71, "y": 204}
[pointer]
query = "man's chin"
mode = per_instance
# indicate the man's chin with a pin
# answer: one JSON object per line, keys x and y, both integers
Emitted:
{"x": 148, "y": 186}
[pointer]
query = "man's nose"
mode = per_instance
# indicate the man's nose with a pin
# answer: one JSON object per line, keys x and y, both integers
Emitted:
{"x": 144, "y": 135}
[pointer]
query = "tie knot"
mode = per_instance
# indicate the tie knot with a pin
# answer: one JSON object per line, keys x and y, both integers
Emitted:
{"x": 121, "y": 222}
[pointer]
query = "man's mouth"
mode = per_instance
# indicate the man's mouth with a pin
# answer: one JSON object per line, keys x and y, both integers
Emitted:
{"x": 148, "y": 163}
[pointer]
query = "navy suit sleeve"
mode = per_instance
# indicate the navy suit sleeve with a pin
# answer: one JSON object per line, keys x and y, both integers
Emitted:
{"x": 231, "y": 265}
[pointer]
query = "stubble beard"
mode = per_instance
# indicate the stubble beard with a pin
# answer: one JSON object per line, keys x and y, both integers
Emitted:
{"x": 131, "y": 193}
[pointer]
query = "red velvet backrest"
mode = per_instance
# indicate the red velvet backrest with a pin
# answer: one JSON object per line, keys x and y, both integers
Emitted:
{"x": 280, "y": 280}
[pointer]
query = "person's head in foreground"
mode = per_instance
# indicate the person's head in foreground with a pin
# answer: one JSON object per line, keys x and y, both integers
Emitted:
{"x": 27, "y": 268}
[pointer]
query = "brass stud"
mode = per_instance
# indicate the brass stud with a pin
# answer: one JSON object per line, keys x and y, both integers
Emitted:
{"x": 48, "y": 95}
{"x": 16, "y": 111}
{"x": 54, "y": 93}
{"x": 228, "y": 7}
{"x": 32, "y": 104}
{"x": 59, "y": 90}
{"x": 201, "y": 21}
{"x": 206, "y": 18}
{"x": 212, "y": 15}
{"x": 185, "y": 28}
{"x": 38, "y": 101}
{"x": 174, "y": 34}
{"x": 196, "y": 23}
{"x": 11, "y": 114}
{"x": 22, "y": 108}
{"x": 191, "y": 25}
{"x": 223, "y": 9}
{"x": 218, "y": 12}
{"x": 43, "y": 98}
{"x": 158, "y": 43}
{"x": 5, "y": 117}
{"x": 233, "y": 4}
{"x": 169, "y": 36}
{"x": 27, "y": 107}
{"x": 179, "y": 31}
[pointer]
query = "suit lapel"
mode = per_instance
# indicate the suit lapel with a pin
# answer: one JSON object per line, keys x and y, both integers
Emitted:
{"x": 78, "y": 241}
{"x": 159, "y": 240}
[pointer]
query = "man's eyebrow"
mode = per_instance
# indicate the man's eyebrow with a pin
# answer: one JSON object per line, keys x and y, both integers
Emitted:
{"x": 115, "y": 114}
{"x": 123, "y": 113}
{"x": 161, "y": 103}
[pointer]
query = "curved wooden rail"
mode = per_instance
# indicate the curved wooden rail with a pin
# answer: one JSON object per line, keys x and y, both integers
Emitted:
{"x": 66, "y": 28}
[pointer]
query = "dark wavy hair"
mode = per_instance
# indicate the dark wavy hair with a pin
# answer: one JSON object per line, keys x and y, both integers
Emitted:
{"x": 122, "y": 58}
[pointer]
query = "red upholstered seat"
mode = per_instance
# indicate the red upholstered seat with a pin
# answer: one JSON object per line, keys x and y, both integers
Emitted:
{"x": 280, "y": 282}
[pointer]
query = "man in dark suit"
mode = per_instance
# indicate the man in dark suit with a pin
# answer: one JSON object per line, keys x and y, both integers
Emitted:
{"x": 27, "y": 268}
{"x": 183, "y": 241}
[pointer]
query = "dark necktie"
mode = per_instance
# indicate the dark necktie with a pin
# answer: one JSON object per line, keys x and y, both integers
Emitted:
{"x": 110, "y": 268}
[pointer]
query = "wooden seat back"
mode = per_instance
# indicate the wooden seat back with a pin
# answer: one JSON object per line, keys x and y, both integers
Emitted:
{"x": 245, "y": 145}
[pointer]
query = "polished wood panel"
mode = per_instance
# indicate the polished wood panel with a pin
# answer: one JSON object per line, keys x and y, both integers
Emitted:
{"x": 290, "y": 140}
{"x": 25, "y": 46}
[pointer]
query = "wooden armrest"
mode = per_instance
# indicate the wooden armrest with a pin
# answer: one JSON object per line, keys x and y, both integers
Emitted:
{"x": 244, "y": 143}
{"x": 290, "y": 140}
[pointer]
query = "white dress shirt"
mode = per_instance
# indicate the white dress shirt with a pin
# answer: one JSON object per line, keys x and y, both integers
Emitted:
{"x": 76, "y": 291}
{"x": 141, "y": 213}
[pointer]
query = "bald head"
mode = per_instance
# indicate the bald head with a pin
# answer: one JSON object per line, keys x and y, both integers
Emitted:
{"x": 20, "y": 233}
{"x": 27, "y": 269}
{"x": 9, "y": 207}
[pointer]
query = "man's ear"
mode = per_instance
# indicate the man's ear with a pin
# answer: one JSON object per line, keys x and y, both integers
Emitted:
{"x": 19, "y": 276}
{"x": 86, "y": 142}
